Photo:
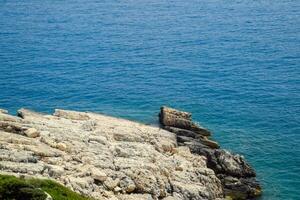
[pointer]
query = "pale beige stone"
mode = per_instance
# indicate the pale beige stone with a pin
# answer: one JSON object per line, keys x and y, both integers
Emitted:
{"x": 32, "y": 133}
{"x": 98, "y": 175}
{"x": 104, "y": 157}
{"x": 61, "y": 146}
{"x": 3, "y": 111}
{"x": 111, "y": 183}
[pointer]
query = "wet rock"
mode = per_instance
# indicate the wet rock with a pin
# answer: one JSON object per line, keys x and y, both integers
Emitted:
{"x": 243, "y": 188}
{"x": 210, "y": 143}
{"x": 181, "y": 132}
{"x": 236, "y": 175}
{"x": 233, "y": 164}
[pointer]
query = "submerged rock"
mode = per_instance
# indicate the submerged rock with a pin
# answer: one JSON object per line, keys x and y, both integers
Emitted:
{"x": 236, "y": 175}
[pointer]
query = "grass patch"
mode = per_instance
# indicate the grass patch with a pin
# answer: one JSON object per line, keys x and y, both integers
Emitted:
{"x": 13, "y": 188}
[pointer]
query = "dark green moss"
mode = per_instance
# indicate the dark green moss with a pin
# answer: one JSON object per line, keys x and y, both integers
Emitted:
{"x": 13, "y": 188}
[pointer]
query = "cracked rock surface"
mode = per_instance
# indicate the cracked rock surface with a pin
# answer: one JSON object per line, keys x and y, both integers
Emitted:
{"x": 237, "y": 176}
{"x": 105, "y": 157}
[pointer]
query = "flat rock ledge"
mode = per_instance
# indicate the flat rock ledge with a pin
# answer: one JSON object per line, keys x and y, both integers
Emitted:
{"x": 109, "y": 158}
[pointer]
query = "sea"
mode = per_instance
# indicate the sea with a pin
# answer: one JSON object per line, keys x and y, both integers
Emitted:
{"x": 234, "y": 64}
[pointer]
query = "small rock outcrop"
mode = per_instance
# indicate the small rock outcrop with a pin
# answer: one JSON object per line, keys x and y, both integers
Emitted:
{"x": 237, "y": 176}
{"x": 106, "y": 158}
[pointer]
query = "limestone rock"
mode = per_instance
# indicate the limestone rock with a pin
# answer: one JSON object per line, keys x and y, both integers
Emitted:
{"x": 61, "y": 146}
{"x": 105, "y": 157}
{"x": 4, "y": 116}
{"x": 71, "y": 115}
{"x": 181, "y": 132}
{"x": 180, "y": 114}
{"x": 99, "y": 139}
{"x": 32, "y": 133}
{"x": 236, "y": 175}
{"x": 135, "y": 197}
{"x": 3, "y": 111}
{"x": 111, "y": 183}
{"x": 127, "y": 185}
{"x": 98, "y": 175}
{"x": 172, "y": 118}
{"x": 55, "y": 171}
{"x": 28, "y": 114}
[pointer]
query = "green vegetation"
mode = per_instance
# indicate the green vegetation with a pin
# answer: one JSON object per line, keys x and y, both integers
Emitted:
{"x": 13, "y": 188}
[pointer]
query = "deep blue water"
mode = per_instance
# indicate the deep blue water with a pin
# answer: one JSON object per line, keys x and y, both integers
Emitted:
{"x": 234, "y": 64}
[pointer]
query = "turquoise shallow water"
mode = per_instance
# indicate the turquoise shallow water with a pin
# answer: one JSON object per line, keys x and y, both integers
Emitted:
{"x": 234, "y": 64}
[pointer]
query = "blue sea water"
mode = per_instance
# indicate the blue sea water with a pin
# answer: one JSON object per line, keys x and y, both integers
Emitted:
{"x": 235, "y": 64}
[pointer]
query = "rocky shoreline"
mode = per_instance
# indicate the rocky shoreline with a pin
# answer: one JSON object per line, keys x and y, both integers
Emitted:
{"x": 110, "y": 158}
{"x": 236, "y": 175}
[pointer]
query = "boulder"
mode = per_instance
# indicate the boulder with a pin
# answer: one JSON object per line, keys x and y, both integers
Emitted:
{"x": 55, "y": 171}
{"x": 182, "y": 120}
{"x": 127, "y": 185}
{"x": 177, "y": 113}
{"x": 61, "y": 146}
{"x": 98, "y": 175}
{"x": 111, "y": 183}
{"x": 32, "y": 133}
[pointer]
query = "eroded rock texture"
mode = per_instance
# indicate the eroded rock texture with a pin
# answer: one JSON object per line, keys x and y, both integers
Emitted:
{"x": 108, "y": 158}
{"x": 236, "y": 175}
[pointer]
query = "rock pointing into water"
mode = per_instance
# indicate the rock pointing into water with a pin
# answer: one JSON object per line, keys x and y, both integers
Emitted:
{"x": 109, "y": 158}
{"x": 237, "y": 177}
